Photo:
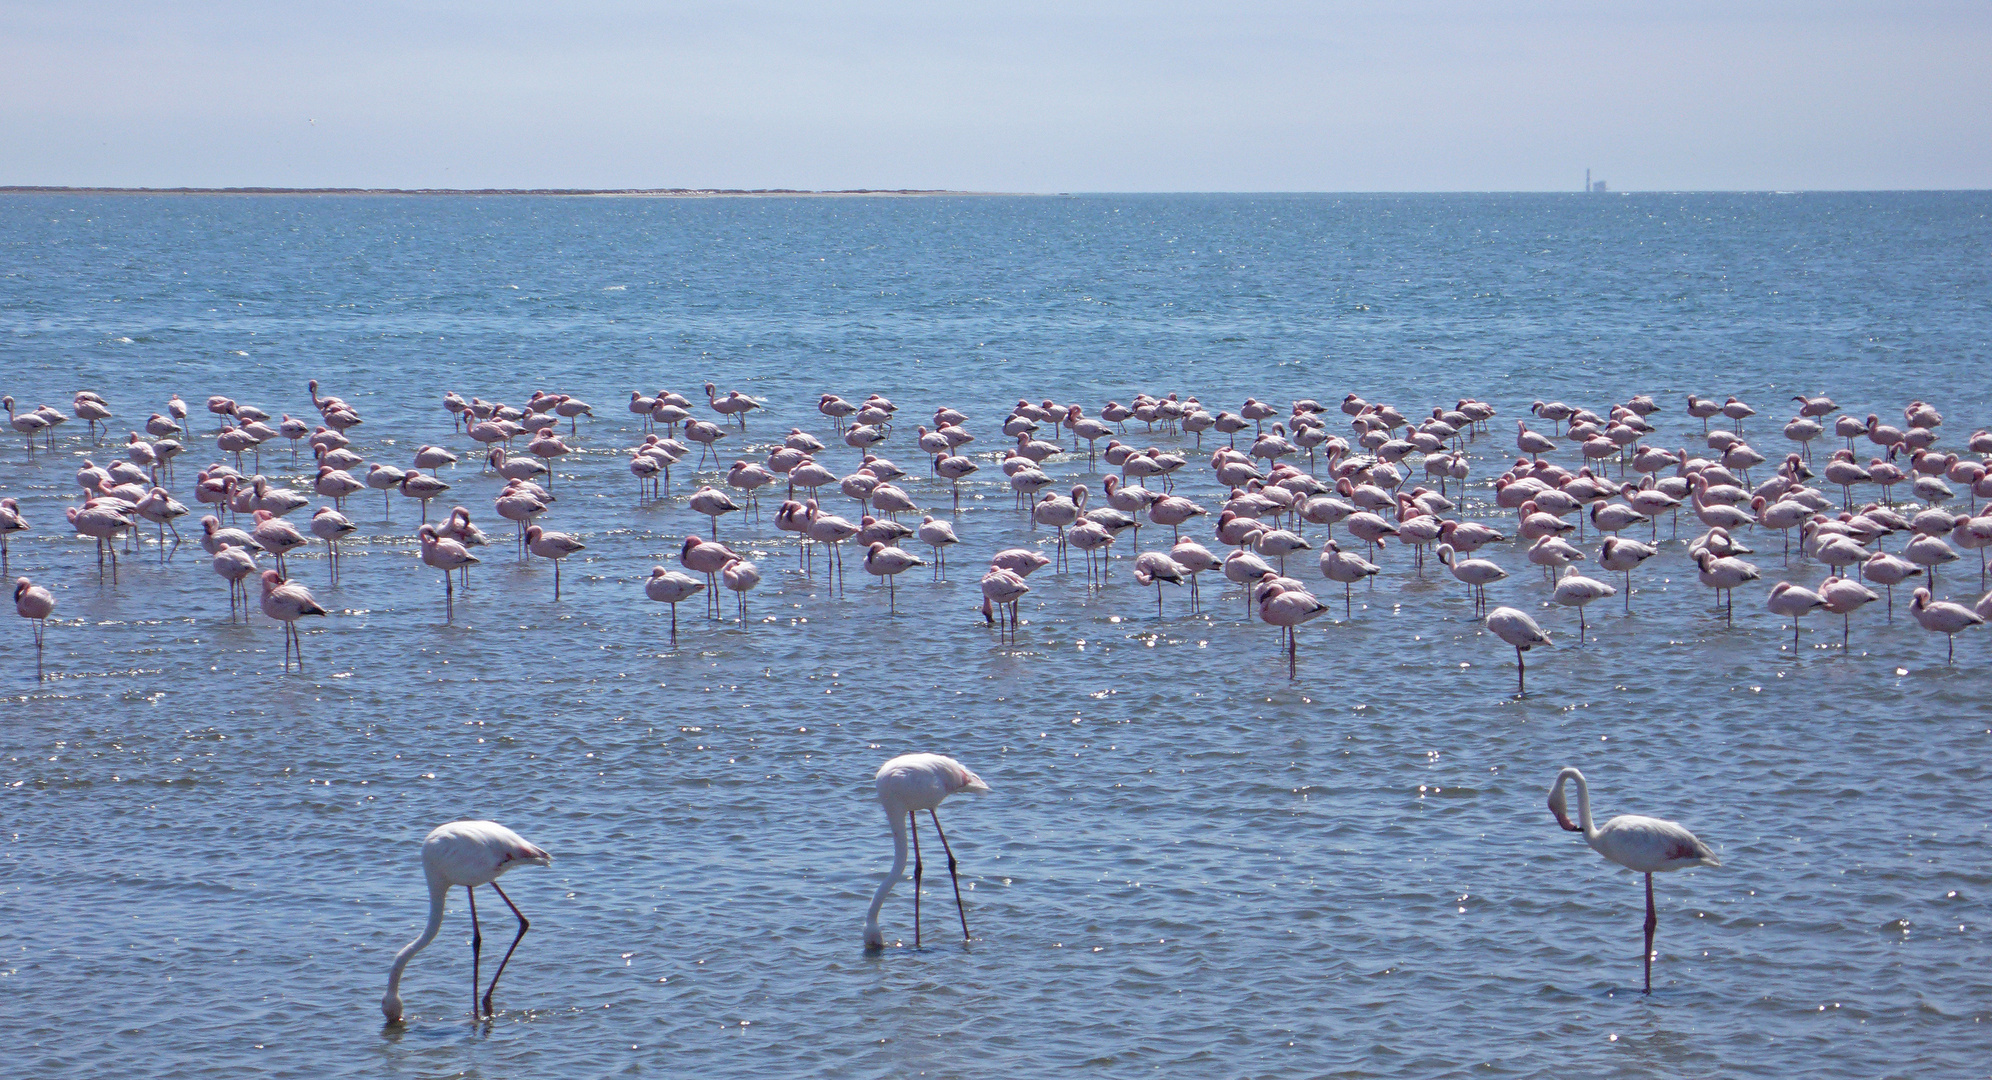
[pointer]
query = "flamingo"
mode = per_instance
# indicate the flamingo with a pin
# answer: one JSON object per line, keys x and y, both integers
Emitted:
{"x": 1348, "y": 568}
{"x": 707, "y": 557}
{"x": 1194, "y": 558}
{"x": 1575, "y": 590}
{"x": 287, "y": 602}
{"x": 1723, "y": 574}
{"x": 34, "y": 603}
{"x": 1792, "y": 601}
{"x": 446, "y": 555}
{"x": 419, "y": 485}
{"x": 1476, "y": 574}
{"x": 1286, "y": 608}
{"x": 101, "y": 520}
{"x": 1944, "y": 617}
{"x": 1643, "y": 845}
{"x": 828, "y": 529}
{"x": 331, "y": 526}
{"x": 937, "y": 535}
{"x": 1003, "y": 588}
{"x": 1843, "y": 597}
{"x": 161, "y": 509}
{"x": 670, "y": 587}
{"x": 552, "y": 545}
{"x": 1621, "y": 555}
{"x": 234, "y": 564}
{"x": 466, "y": 853}
{"x": 908, "y": 784}
{"x": 888, "y": 562}
{"x": 28, "y": 424}
{"x": 1517, "y": 629}
{"x": 386, "y": 479}
{"x": 1155, "y": 568}
{"x": 11, "y": 522}
{"x": 740, "y": 576}
{"x": 1889, "y": 571}
{"x": 276, "y": 536}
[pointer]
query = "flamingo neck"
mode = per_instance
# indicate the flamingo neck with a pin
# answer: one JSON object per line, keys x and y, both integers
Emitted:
{"x": 1584, "y": 808}
{"x": 390, "y": 1003}
{"x": 873, "y": 937}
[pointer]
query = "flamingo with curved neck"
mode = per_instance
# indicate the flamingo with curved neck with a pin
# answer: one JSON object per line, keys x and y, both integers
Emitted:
{"x": 907, "y": 785}
{"x": 1642, "y": 844}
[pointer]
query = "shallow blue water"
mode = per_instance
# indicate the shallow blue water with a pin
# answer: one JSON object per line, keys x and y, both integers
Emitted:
{"x": 1189, "y": 864}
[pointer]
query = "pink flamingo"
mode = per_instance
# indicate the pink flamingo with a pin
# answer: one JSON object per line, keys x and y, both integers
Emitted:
{"x": 1517, "y": 629}
{"x": 554, "y": 546}
{"x": 670, "y": 587}
{"x": 1287, "y": 608}
{"x": 445, "y": 555}
{"x": 1002, "y": 588}
{"x": 35, "y": 604}
{"x": 707, "y": 557}
{"x": 287, "y": 602}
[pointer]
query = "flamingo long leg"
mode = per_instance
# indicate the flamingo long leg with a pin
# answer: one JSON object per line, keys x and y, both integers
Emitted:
{"x": 913, "y": 821}
{"x": 1652, "y": 921}
{"x": 476, "y": 948}
{"x": 960, "y": 908}
{"x": 524, "y": 925}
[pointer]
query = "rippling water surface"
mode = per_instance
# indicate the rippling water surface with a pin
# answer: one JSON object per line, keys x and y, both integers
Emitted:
{"x": 1189, "y": 864}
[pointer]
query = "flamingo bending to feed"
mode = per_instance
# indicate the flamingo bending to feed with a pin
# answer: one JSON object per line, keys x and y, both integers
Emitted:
{"x": 1002, "y": 588}
{"x": 1641, "y": 844}
{"x": 907, "y": 785}
{"x": 466, "y": 853}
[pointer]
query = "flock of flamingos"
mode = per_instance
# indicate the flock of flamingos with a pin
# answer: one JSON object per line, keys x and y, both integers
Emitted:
{"x": 1389, "y": 479}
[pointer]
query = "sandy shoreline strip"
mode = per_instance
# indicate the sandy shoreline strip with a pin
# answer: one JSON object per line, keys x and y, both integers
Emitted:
{"x": 634, "y": 193}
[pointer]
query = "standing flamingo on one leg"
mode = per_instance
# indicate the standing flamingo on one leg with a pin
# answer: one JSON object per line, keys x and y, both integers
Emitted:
{"x": 33, "y": 603}
{"x": 1641, "y": 844}
{"x": 466, "y": 853}
{"x": 1517, "y": 629}
{"x": 907, "y": 785}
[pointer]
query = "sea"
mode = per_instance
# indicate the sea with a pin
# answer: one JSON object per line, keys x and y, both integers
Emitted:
{"x": 1189, "y": 864}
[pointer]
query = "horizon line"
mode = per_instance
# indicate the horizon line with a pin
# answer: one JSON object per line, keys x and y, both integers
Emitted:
{"x": 695, "y": 192}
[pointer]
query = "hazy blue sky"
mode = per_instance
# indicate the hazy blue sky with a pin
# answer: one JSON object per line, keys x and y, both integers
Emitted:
{"x": 1072, "y": 96}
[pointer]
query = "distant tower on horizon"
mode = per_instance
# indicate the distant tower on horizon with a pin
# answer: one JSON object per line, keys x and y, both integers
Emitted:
{"x": 1591, "y": 187}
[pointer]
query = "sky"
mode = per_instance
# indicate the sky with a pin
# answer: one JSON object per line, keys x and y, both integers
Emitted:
{"x": 1443, "y": 95}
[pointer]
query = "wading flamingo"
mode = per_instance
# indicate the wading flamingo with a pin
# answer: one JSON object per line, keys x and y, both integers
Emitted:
{"x": 466, "y": 853}
{"x": 907, "y": 785}
{"x": 1641, "y": 844}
